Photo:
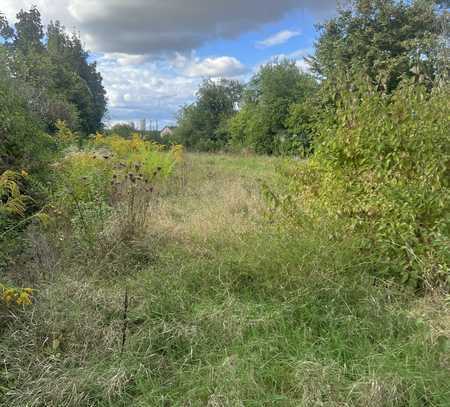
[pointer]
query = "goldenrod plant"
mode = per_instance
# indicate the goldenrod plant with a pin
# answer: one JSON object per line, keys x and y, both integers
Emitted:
{"x": 16, "y": 296}
{"x": 110, "y": 175}
{"x": 64, "y": 135}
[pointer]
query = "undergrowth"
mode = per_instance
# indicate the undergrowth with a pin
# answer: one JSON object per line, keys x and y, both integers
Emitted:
{"x": 380, "y": 170}
{"x": 223, "y": 309}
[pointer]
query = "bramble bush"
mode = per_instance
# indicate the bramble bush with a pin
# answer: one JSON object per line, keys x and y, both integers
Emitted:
{"x": 381, "y": 171}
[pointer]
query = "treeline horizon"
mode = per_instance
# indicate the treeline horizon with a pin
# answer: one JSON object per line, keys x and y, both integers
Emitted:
{"x": 381, "y": 44}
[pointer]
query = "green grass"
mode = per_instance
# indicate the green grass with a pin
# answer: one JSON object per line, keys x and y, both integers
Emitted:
{"x": 225, "y": 310}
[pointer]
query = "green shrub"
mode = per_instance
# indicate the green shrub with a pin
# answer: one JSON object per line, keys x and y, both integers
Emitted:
{"x": 23, "y": 144}
{"x": 261, "y": 124}
{"x": 24, "y": 150}
{"x": 382, "y": 168}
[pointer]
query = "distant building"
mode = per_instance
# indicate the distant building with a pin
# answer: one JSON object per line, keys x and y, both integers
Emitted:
{"x": 167, "y": 131}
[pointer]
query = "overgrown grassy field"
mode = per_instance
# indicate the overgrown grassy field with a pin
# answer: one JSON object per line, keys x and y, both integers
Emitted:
{"x": 224, "y": 309}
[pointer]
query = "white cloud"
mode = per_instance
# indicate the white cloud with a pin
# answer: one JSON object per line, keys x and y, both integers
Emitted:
{"x": 156, "y": 90}
{"x": 126, "y": 59}
{"x": 146, "y": 90}
{"x": 278, "y": 38}
{"x": 224, "y": 66}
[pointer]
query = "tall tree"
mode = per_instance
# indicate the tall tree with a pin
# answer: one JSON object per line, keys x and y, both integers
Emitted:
{"x": 385, "y": 40}
{"x": 202, "y": 125}
{"x": 6, "y": 32}
{"x": 78, "y": 77}
{"x": 54, "y": 73}
{"x": 29, "y": 32}
{"x": 261, "y": 123}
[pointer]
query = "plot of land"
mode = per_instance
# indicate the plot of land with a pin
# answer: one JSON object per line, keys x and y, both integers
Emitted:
{"x": 225, "y": 310}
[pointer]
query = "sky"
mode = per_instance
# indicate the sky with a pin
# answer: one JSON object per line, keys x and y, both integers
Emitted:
{"x": 153, "y": 54}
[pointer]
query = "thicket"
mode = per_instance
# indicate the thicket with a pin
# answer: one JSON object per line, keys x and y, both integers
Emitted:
{"x": 381, "y": 171}
{"x": 202, "y": 125}
{"x": 267, "y": 122}
{"x": 50, "y": 69}
{"x": 380, "y": 168}
{"x": 46, "y": 80}
{"x": 25, "y": 153}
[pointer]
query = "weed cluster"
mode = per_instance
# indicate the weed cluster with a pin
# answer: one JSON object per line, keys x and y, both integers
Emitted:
{"x": 103, "y": 191}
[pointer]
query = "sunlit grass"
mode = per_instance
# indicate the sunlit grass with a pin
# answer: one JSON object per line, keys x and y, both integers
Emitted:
{"x": 225, "y": 310}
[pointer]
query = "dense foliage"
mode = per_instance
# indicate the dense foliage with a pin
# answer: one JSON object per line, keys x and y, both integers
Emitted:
{"x": 47, "y": 84}
{"x": 262, "y": 124}
{"x": 381, "y": 149}
{"x": 202, "y": 125}
{"x": 50, "y": 68}
{"x": 23, "y": 142}
{"x": 385, "y": 40}
{"x": 381, "y": 170}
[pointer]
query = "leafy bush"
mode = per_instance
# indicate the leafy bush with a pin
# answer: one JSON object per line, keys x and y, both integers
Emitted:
{"x": 261, "y": 124}
{"x": 23, "y": 144}
{"x": 202, "y": 124}
{"x": 301, "y": 124}
{"x": 381, "y": 168}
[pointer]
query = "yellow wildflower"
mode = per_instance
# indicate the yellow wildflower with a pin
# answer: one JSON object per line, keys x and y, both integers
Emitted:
{"x": 9, "y": 296}
{"x": 24, "y": 299}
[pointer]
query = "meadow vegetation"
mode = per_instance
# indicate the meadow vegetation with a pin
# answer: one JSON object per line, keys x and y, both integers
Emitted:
{"x": 225, "y": 308}
{"x": 137, "y": 274}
